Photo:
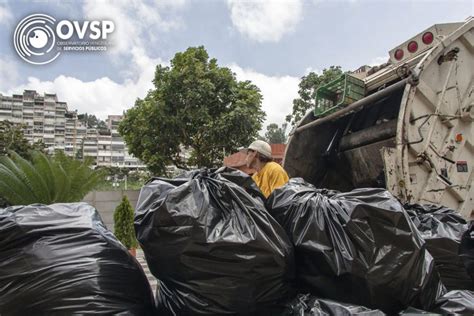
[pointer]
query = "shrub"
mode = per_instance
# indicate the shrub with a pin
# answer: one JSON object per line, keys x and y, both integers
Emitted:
{"x": 123, "y": 220}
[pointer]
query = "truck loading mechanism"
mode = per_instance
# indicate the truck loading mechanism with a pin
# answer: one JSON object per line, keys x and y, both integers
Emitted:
{"x": 413, "y": 131}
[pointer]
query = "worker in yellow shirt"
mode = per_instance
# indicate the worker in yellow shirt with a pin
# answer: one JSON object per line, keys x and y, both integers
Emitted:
{"x": 270, "y": 175}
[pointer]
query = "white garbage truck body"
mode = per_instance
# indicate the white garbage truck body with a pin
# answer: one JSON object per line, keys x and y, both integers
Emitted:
{"x": 412, "y": 131}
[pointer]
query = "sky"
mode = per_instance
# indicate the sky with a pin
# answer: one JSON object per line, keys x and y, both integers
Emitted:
{"x": 271, "y": 43}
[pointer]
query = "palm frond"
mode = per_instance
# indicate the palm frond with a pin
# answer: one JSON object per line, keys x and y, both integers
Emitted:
{"x": 45, "y": 179}
{"x": 11, "y": 187}
{"x": 17, "y": 178}
{"x": 43, "y": 164}
{"x": 33, "y": 177}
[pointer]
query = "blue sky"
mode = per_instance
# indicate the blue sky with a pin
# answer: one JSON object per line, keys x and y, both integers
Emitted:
{"x": 272, "y": 43}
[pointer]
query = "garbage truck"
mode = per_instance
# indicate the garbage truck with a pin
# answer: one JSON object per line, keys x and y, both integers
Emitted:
{"x": 405, "y": 125}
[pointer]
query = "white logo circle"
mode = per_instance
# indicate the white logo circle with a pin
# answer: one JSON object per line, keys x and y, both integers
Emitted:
{"x": 34, "y": 39}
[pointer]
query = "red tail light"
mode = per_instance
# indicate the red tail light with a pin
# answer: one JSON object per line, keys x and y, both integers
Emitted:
{"x": 412, "y": 46}
{"x": 398, "y": 54}
{"x": 427, "y": 38}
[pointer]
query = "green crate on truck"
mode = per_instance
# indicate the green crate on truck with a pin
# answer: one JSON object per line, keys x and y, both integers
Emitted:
{"x": 337, "y": 94}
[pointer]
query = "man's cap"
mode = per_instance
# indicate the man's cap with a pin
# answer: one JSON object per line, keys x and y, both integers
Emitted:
{"x": 261, "y": 147}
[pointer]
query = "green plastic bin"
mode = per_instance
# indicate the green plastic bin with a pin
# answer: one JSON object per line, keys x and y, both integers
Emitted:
{"x": 337, "y": 94}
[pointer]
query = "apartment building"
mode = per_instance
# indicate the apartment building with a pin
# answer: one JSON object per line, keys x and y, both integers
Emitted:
{"x": 46, "y": 119}
{"x": 74, "y": 134}
{"x": 42, "y": 116}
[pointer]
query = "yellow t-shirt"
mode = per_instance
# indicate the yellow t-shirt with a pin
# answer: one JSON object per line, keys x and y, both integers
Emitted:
{"x": 271, "y": 176}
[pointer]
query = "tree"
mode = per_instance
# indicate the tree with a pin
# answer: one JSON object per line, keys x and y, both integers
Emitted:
{"x": 45, "y": 179}
{"x": 13, "y": 139}
{"x": 307, "y": 92}
{"x": 92, "y": 121}
{"x": 275, "y": 134}
{"x": 123, "y": 224}
{"x": 197, "y": 108}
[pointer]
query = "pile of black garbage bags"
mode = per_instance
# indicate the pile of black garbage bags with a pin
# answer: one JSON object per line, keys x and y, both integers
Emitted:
{"x": 213, "y": 246}
{"x": 218, "y": 247}
{"x": 61, "y": 260}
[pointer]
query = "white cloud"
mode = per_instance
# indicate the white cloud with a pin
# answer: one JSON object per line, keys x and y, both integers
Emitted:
{"x": 170, "y": 4}
{"x": 378, "y": 60}
{"x": 278, "y": 92}
{"x": 315, "y": 70}
{"x": 5, "y": 14}
{"x": 265, "y": 21}
{"x": 102, "y": 96}
{"x": 8, "y": 71}
{"x": 136, "y": 22}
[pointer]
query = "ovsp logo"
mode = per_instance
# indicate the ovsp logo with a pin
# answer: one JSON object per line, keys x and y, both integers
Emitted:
{"x": 35, "y": 37}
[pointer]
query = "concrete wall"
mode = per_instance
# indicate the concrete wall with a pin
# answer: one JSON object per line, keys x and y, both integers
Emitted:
{"x": 106, "y": 201}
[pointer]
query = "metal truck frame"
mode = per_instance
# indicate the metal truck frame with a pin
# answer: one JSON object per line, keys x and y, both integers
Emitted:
{"x": 413, "y": 131}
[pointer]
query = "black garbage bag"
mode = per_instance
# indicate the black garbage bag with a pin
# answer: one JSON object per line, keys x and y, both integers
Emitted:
{"x": 308, "y": 305}
{"x": 456, "y": 302}
{"x": 61, "y": 260}
{"x": 214, "y": 248}
{"x": 243, "y": 180}
{"x": 411, "y": 311}
{"x": 234, "y": 175}
{"x": 358, "y": 247}
{"x": 442, "y": 229}
{"x": 466, "y": 250}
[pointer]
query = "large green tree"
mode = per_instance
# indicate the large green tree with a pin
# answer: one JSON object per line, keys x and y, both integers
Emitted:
{"x": 197, "y": 108}
{"x": 307, "y": 92}
{"x": 275, "y": 134}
